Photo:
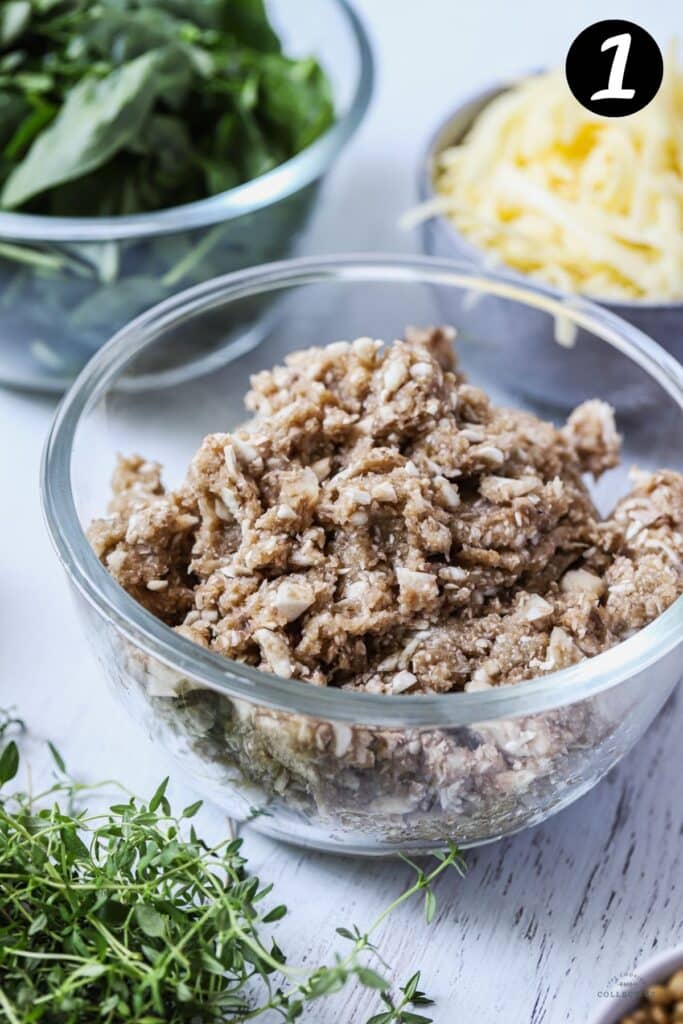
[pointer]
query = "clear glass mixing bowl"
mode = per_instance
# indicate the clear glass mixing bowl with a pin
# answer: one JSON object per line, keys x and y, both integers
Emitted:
{"x": 323, "y": 767}
{"x": 68, "y": 283}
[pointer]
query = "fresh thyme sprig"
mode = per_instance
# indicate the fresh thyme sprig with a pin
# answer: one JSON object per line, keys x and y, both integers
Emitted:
{"x": 128, "y": 915}
{"x": 399, "y": 1012}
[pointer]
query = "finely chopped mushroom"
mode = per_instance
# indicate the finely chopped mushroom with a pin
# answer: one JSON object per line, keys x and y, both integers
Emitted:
{"x": 379, "y": 525}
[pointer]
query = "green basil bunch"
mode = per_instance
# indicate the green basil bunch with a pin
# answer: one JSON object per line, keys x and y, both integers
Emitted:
{"x": 124, "y": 106}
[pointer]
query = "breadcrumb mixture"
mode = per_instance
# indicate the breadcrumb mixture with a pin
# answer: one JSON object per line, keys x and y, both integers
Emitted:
{"x": 379, "y": 525}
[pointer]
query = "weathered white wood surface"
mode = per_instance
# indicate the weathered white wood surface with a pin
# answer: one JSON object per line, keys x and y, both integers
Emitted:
{"x": 544, "y": 920}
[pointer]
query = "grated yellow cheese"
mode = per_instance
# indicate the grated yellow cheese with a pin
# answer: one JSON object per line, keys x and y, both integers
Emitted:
{"x": 586, "y": 203}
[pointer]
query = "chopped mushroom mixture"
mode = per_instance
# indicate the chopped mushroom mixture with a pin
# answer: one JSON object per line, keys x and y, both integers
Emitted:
{"x": 378, "y": 524}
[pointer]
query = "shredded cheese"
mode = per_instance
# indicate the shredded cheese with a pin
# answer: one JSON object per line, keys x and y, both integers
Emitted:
{"x": 587, "y": 204}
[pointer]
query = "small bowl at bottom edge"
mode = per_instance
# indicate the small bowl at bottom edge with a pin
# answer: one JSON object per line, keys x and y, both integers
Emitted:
{"x": 622, "y": 995}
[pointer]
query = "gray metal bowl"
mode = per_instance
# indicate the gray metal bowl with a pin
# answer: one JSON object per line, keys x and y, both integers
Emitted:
{"x": 552, "y": 374}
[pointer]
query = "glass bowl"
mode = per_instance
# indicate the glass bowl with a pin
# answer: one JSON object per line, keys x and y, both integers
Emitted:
{"x": 327, "y": 768}
{"x": 661, "y": 320}
{"x": 67, "y": 284}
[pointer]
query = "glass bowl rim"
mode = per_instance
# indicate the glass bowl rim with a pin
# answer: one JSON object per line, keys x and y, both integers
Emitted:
{"x": 256, "y": 194}
{"x": 215, "y": 671}
{"x": 463, "y": 247}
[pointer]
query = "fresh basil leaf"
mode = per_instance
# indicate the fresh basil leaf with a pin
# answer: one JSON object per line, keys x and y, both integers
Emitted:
{"x": 14, "y": 109}
{"x": 27, "y": 130}
{"x": 125, "y": 33}
{"x": 34, "y": 81}
{"x": 245, "y": 20}
{"x": 295, "y": 101}
{"x": 98, "y": 118}
{"x": 14, "y": 19}
{"x": 123, "y": 107}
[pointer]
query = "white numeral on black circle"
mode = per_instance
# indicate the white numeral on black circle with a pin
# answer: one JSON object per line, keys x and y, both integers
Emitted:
{"x": 615, "y": 84}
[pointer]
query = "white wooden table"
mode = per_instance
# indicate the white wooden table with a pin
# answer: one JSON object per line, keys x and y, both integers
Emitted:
{"x": 544, "y": 920}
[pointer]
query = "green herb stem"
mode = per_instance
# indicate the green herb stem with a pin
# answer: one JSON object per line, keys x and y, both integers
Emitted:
{"x": 129, "y": 915}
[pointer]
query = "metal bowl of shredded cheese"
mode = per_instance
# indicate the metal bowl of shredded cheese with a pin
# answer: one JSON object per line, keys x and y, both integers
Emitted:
{"x": 522, "y": 177}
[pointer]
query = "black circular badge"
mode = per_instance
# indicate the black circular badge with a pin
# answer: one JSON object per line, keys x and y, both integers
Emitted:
{"x": 614, "y": 68}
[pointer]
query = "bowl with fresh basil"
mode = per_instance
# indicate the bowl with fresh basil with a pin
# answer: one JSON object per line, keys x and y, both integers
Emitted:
{"x": 147, "y": 146}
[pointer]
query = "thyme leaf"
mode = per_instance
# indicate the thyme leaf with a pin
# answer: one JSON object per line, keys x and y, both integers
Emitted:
{"x": 128, "y": 914}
